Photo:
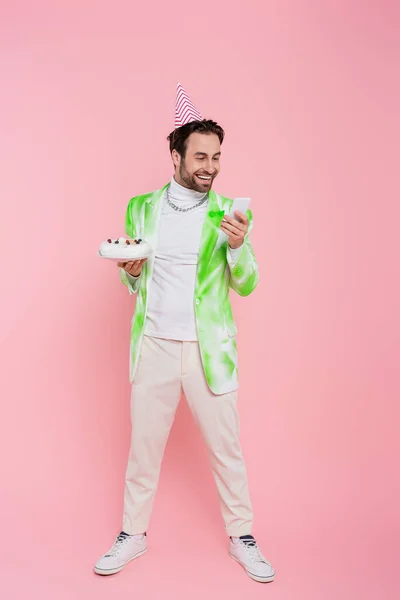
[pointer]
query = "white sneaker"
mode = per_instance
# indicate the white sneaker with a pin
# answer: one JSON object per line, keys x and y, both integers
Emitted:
{"x": 246, "y": 552}
{"x": 125, "y": 548}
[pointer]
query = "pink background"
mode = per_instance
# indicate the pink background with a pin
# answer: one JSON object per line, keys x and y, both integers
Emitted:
{"x": 308, "y": 93}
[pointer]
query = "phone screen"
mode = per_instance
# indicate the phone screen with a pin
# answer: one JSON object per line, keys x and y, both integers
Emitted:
{"x": 240, "y": 204}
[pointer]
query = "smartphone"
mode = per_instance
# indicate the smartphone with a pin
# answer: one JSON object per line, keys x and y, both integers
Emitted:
{"x": 241, "y": 204}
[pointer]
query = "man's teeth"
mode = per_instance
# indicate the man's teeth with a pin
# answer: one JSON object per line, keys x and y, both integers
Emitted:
{"x": 202, "y": 177}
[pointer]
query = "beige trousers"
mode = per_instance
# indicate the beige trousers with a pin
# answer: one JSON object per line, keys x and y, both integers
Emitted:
{"x": 165, "y": 368}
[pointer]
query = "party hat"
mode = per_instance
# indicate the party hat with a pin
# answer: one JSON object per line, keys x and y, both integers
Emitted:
{"x": 185, "y": 110}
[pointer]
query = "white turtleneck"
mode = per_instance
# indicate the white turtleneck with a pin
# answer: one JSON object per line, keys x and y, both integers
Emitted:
{"x": 170, "y": 312}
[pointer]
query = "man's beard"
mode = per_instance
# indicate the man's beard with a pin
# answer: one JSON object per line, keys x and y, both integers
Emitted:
{"x": 192, "y": 182}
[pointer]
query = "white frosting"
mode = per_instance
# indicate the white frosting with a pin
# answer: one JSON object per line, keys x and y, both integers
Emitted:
{"x": 124, "y": 251}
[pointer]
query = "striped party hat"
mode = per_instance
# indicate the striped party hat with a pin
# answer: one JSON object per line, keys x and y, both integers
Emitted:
{"x": 185, "y": 111}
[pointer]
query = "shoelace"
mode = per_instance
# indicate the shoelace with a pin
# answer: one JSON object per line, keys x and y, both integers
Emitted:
{"x": 118, "y": 545}
{"x": 253, "y": 550}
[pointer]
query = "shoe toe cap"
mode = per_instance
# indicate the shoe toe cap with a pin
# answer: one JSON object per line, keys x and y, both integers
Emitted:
{"x": 106, "y": 562}
{"x": 263, "y": 569}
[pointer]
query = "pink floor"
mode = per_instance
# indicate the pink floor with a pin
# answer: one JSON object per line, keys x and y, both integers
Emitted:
{"x": 326, "y": 555}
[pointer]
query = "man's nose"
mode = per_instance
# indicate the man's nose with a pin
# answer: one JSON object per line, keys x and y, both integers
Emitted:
{"x": 209, "y": 168}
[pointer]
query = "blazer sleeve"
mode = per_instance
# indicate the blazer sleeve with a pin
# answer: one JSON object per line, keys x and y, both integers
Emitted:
{"x": 132, "y": 283}
{"x": 243, "y": 268}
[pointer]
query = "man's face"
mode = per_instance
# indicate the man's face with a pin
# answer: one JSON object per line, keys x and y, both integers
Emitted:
{"x": 201, "y": 164}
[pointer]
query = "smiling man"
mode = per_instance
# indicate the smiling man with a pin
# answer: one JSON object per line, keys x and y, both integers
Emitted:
{"x": 183, "y": 337}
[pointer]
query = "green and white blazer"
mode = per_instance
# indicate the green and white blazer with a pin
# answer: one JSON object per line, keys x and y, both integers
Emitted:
{"x": 216, "y": 274}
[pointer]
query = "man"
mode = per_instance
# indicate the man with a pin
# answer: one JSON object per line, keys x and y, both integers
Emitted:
{"x": 183, "y": 336}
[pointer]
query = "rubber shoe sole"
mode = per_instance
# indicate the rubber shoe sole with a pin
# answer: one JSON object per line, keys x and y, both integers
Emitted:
{"x": 252, "y": 575}
{"x": 114, "y": 571}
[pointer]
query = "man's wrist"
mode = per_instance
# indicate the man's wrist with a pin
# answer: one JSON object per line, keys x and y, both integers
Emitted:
{"x": 235, "y": 247}
{"x": 132, "y": 276}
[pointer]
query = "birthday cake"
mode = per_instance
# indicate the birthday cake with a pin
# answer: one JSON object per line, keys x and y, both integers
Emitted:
{"x": 122, "y": 249}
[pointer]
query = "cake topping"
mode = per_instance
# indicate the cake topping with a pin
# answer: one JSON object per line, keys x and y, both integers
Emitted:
{"x": 124, "y": 248}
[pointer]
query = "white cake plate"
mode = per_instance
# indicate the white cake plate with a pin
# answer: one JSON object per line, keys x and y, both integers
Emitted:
{"x": 125, "y": 259}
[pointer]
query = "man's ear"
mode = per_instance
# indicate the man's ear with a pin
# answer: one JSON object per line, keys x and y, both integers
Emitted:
{"x": 176, "y": 158}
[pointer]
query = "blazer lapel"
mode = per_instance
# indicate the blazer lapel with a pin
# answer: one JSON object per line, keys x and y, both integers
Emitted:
{"x": 210, "y": 233}
{"x": 151, "y": 216}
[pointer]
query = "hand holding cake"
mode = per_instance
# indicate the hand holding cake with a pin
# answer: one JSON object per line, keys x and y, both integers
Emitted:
{"x": 133, "y": 267}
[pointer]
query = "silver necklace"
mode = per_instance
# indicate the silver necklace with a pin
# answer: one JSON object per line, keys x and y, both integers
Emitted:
{"x": 178, "y": 208}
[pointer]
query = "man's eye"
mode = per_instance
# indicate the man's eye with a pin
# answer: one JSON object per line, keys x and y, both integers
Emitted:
{"x": 217, "y": 158}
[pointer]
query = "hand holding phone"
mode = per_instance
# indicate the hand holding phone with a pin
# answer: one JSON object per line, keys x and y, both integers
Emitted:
{"x": 235, "y": 228}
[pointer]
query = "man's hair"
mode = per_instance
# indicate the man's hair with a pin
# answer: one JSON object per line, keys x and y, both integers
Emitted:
{"x": 178, "y": 138}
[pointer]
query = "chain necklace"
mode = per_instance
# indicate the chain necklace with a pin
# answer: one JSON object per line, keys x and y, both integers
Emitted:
{"x": 178, "y": 208}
